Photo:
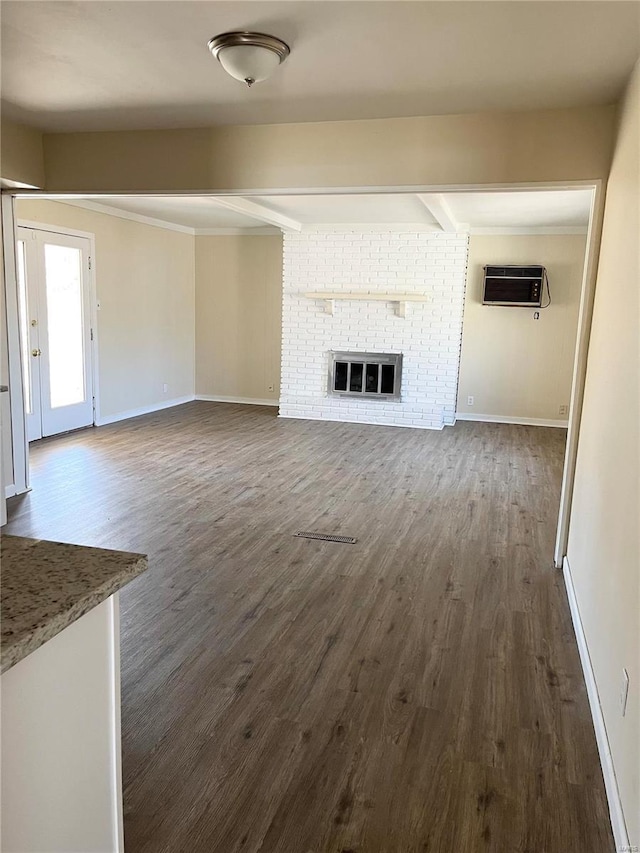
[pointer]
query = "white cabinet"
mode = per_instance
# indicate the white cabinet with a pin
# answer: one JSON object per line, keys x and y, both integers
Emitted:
{"x": 61, "y": 771}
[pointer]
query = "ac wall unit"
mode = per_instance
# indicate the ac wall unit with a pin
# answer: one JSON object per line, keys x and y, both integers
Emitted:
{"x": 513, "y": 285}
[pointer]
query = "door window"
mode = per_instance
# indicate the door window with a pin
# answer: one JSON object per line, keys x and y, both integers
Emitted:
{"x": 63, "y": 278}
{"x": 53, "y": 300}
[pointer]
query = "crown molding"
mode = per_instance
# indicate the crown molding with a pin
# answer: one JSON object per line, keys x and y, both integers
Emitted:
{"x": 240, "y": 232}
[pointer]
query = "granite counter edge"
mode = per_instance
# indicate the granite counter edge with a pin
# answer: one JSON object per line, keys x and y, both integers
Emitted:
{"x": 14, "y": 652}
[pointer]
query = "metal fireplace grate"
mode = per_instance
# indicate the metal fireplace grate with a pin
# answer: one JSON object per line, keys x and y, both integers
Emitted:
{"x": 327, "y": 537}
{"x": 365, "y": 374}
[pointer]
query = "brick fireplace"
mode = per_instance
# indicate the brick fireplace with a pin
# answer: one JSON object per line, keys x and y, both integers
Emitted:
{"x": 377, "y": 292}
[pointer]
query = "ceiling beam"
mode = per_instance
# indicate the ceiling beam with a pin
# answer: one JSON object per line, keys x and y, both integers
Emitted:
{"x": 257, "y": 211}
{"x": 437, "y": 206}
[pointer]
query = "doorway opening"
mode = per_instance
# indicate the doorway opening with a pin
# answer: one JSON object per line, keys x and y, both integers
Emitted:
{"x": 483, "y": 210}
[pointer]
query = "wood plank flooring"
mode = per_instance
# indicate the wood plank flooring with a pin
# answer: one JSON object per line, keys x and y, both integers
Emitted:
{"x": 418, "y": 692}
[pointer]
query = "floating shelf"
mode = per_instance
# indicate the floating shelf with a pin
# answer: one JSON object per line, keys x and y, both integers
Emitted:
{"x": 399, "y": 299}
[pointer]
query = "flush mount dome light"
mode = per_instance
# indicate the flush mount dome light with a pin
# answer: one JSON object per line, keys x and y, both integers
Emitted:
{"x": 249, "y": 57}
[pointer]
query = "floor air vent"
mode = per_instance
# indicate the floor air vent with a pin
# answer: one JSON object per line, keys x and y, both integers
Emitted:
{"x": 327, "y": 537}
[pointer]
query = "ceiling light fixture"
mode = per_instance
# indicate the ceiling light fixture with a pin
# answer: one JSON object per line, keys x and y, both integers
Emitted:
{"x": 249, "y": 57}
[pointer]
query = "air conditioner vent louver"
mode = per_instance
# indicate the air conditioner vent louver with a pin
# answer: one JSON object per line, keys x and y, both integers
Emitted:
{"x": 513, "y": 285}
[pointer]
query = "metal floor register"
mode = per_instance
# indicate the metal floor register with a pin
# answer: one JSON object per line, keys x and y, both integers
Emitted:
{"x": 327, "y": 537}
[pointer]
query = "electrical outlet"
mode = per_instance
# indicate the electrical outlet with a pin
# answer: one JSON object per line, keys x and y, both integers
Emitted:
{"x": 165, "y": 388}
{"x": 563, "y": 410}
{"x": 624, "y": 692}
{"x": 469, "y": 401}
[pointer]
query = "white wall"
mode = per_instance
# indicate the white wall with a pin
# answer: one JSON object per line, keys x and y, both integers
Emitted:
{"x": 429, "y": 337}
{"x": 238, "y": 316}
{"x": 515, "y": 367}
{"x": 604, "y": 545}
{"x": 145, "y": 282}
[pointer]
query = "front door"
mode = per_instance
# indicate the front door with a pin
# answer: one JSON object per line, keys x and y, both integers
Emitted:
{"x": 55, "y": 321}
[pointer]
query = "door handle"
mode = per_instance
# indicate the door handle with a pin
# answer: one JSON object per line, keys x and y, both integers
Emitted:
{"x": 36, "y": 352}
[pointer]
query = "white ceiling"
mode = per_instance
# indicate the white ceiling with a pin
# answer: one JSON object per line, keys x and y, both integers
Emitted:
{"x": 562, "y": 209}
{"x": 189, "y": 211}
{"x": 337, "y": 209}
{"x": 518, "y": 211}
{"x": 117, "y": 65}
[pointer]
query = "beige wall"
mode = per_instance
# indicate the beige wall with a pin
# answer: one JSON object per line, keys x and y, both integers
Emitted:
{"x": 604, "y": 543}
{"x": 538, "y": 146}
{"x": 145, "y": 286}
{"x": 512, "y": 365}
{"x": 22, "y": 155}
{"x": 238, "y": 316}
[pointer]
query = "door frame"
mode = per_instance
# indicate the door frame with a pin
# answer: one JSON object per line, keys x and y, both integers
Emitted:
{"x": 579, "y": 377}
{"x": 31, "y": 260}
{"x": 93, "y": 298}
{"x": 19, "y": 441}
{"x": 592, "y": 251}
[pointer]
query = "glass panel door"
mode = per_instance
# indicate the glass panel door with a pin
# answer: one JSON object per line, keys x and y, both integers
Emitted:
{"x": 65, "y": 333}
{"x": 53, "y": 277}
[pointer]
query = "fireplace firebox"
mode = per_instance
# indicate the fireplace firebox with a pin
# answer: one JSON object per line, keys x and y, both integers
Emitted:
{"x": 365, "y": 374}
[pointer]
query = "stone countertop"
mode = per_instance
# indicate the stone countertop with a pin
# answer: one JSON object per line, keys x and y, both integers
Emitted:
{"x": 45, "y": 586}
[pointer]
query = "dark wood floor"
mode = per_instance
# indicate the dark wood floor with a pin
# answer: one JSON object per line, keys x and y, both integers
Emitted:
{"x": 418, "y": 691}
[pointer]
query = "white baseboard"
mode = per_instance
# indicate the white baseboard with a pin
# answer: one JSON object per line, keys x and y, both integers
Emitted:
{"x": 616, "y": 812}
{"x": 144, "y": 410}
{"x": 248, "y": 401}
{"x": 506, "y": 419}
{"x": 11, "y": 491}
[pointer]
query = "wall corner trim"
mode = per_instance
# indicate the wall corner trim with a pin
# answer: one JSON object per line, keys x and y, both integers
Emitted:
{"x": 616, "y": 812}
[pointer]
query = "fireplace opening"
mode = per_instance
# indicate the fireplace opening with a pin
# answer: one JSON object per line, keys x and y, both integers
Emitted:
{"x": 365, "y": 374}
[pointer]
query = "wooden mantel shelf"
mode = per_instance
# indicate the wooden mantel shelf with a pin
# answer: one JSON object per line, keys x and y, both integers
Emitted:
{"x": 400, "y": 299}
